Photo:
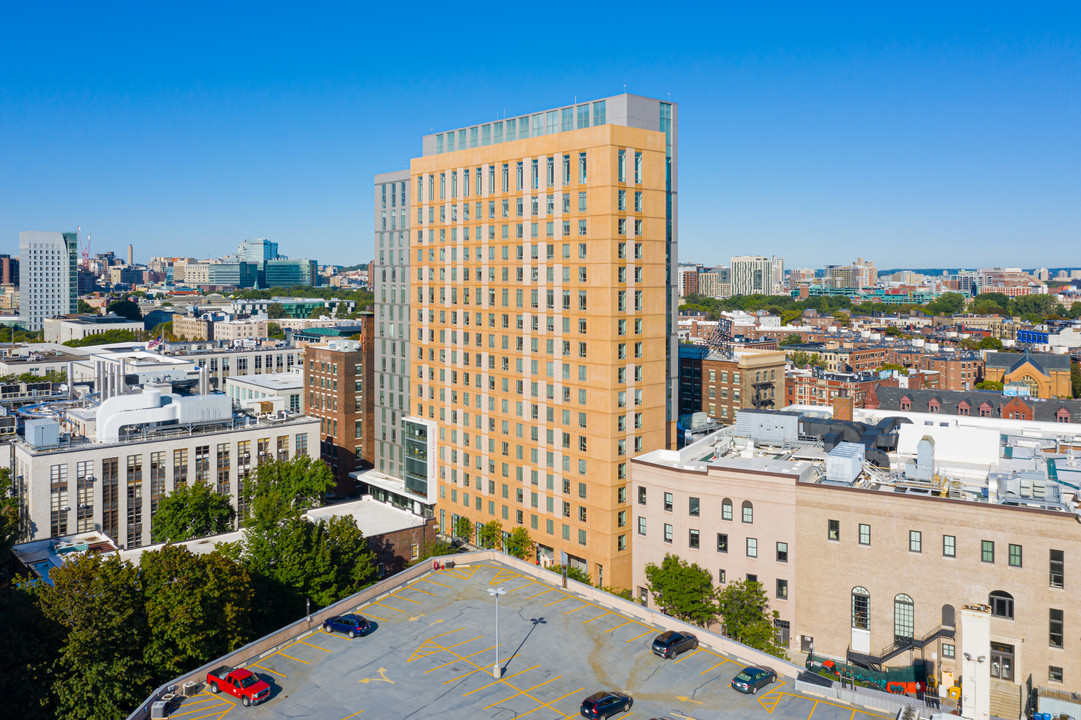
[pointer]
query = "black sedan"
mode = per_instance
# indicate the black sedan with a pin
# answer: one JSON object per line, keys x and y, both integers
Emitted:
{"x": 749, "y": 679}
{"x": 351, "y": 625}
{"x": 604, "y": 704}
{"x": 672, "y": 643}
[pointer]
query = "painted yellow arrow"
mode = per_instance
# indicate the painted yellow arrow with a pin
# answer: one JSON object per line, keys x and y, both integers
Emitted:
{"x": 435, "y": 622}
{"x": 684, "y": 698}
{"x": 382, "y": 677}
{"x": 418, "y": 617}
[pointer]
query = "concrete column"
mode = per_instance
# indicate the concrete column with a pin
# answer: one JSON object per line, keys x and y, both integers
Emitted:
{"x": 975, "y": 627}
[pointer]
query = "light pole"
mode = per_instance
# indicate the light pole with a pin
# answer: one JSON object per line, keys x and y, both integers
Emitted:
{"x": 497, "y": 671}
{"x": 978, "y": 661}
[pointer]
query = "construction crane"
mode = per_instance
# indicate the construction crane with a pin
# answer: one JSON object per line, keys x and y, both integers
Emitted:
{"x": 86, "y": 254}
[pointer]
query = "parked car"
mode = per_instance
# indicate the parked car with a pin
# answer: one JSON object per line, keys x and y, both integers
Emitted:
{"x": 749, "y": 679}
{"x": 605, "y": 704}
{"x": 352, "y": 625}
{"x": 671, "y": 643}
{"x": 240, "y": 683}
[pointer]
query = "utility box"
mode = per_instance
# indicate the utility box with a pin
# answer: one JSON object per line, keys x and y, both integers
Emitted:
{"x": 157, "y": 710}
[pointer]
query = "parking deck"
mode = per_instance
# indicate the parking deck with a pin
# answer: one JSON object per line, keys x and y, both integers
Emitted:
{"x": 432, "y": 648}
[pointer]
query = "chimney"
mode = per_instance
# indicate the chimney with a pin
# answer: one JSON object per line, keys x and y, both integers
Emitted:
{"x": 131, "y": 254}
{"x": 842, "y": 406}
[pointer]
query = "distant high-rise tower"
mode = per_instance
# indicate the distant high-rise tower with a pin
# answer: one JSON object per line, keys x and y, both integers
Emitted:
{"x": 754, "y": 275}
{"x": 257, "y": 250}
{"x": 131, "y": 254}
{"x": 537, "y": 255}
{"x": 48, "y": 276}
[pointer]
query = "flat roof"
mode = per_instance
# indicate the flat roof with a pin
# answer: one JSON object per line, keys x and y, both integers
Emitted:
{"x": 270, "y": 381}
{"x": 432, "y": 647}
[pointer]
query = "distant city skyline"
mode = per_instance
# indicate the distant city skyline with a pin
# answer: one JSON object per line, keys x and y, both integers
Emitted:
{"x": 814, "y": 135}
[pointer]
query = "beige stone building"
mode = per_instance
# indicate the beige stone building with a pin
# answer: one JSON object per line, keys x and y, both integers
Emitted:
{"x": 188, "y": 327}
{"x": 240, "y": 329}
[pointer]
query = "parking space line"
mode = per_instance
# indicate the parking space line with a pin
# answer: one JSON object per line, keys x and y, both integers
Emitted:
{"x": 220, "y": 713}
{"x": 314, "y": 646}
{"x": 394, "y": 594}
{"x": 292, "y": 658}
{"x": 358, "y": 712}
{"x": 478, "y": 652}
{"x": 580, "y": 607}
{"x": 388, "y": 607}
{"x": 201, "y": 709}
{"x": 617, "y": 627}
{"x": 597, "y": 617}
{"x": 647, "y": 632}
{"x": 532, "y": 582}
{"x": 496, "y": 682}
{"x": 692, "y": 652}
{"x": 433, "y": 582}
{"x": 714, "y": 667}
{"x": 471, "y": 672}
{"x": 261, "y": 667}
{"x": 412, "y": 586}
{"x": 463, "y": 642}
{"x": 813, "y": 708}
{"x": 522, "y": 692}
{"x": 540, "y": 593}
{"x": 554, "y": 602}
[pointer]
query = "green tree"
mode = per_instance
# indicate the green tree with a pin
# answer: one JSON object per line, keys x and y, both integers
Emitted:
{"x": 85, "y": 308}
{"x": 816, "y": 360}
{"x": 342, "y": 311}
{"x": 274, "y": 331}
{"x": 109, "y": 336}
{"x": 100, "y": 672}
{"x": 892, "y": 331}
{"x": 891, "y": 367}
{"x": 985, "y": 306}
{"x": 163, "y": 330}
{"x": 491, "y": 534}
{"x": 317, "y": 312}
{"x": 275, "y": 311}
{"x": 744, "y": 608}
{"x": 31, "y": 644}
{"x": 683, "y": 590}
{"x": 197, "y": 607}
{"x": 192, "y": 511}
{"x": 573, "y": 573}
{"x": 800, "y": 358}
{"x": 843, "y": 318}
{"x": 946, "y": 304}
{"x": 463, "y": 528}
{"x": 125, "y": 308}
{"x": 989, "y": 385}
{"x": 790, "y": 316}
{"x": 989, "y": 343}
{"x": 10, "y": 525}
{"x": 791, "y": 339}
{"x": 280, "y": 489}
{"x": 519, "y": 544}
{"x": 1075, "y": 379}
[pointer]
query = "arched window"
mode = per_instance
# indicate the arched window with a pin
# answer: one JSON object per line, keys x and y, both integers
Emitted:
{"x": 726, "y": 509}
{"x": 949, "y": 616}
{"x": 861, "y": 608}
{"x": 1033, "y": 386}
{"x": 748, "y": 512}
{"x": 904, "y": 617}
{"x": 1001, "y": 603}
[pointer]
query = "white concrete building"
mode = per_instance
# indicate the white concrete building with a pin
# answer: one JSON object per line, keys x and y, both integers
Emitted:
{"x": 48, "y": 276}
{"x": 284, "y": 389}
{"x": 76, "y": 327}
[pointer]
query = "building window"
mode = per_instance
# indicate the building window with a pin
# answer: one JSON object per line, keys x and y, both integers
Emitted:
{"x": 1002, "y": 661}
{"x": 782, "y": 552}
{"x": 1001, "y": 604}
{"x": 782, "y": 589}
{"x": 641, "y": 496}
{"x": 1054, "y": 674}
{"x": 726, "y": 510}
{"x": 641, "y": 526}
{"x": 987, "y": 551}
{"x": 693, "y": 508}
{"x": 693, "y": 539}
{"x": 833, "y": 530}
{"x": 1055, "y": 633}
{"x": 752, "y": 547}
{"x": 904, "y": 624}
{"x": 949, "y": 546}
{"x": 748, "y": 512}
{"x": 1058, "y": 569}
{"x": 1015, "y": 555}
{"x": 947, "y": 650}
{"x": 865, "y": 534}
{"x": 668, "y": 502}
{"x": 667, "y": 533}
{"x": 915, "y": 541}
{"x": 722, "y": 577}
{"x": 722, "y": 542}
{"x": 861, "y": 608}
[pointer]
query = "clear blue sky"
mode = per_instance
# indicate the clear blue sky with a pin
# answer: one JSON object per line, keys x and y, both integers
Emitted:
{"x": 916, "y": 135}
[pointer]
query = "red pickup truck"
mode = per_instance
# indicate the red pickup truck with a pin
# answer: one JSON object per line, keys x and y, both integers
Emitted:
{"x": 241, "y": 683}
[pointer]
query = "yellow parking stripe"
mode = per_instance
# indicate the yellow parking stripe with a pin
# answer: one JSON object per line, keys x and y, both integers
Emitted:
{"x": 314, "y": 646}
{"x": 714, "y": 667}
{"x": 433, "y": 582}
{"x": 617, "y": 627}
{"x": 482, "y": 687}
{"x": 580, "y": 607}
{"x": 450, "y": 662}
{"x": 554, "y": 602}
{"x": 268, "y": 669}
{"x": 394, "y": 594}
{"x": 293, "y": 658}
{"x": 522, "y": 692}
{"x": 201, "y": 709}
{"x": 647, "y": 632}
{"x": 687, "y": 655}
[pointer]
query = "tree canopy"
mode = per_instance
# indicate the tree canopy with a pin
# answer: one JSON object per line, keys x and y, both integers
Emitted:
{"x": 683, "y": 590}
{"x": 125, "y": 308}
{"x": 109, "y": 336}
{"x": 518, "y": 543}
{"x": 744, "y": 609}
{"x": 280, "y": 489}
{"x": 192, "y": 511}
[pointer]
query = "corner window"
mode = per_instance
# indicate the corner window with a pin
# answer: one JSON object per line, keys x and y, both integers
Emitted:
{"x": 641, "y": 496}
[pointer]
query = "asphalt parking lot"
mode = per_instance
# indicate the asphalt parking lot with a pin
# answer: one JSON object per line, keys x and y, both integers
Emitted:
{"x": 432, "y": 650}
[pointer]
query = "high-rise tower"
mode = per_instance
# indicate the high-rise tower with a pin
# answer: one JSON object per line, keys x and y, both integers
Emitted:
{"x": 542, "y": 298}
{"x": 48, "y": 276}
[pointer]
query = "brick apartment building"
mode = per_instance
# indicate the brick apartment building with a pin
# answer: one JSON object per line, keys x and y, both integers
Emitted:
{"x": 339, "y": 390}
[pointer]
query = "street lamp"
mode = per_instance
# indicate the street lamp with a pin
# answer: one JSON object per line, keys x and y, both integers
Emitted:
{"x": 497, "y": 671}
{"x": 972, "y": 694}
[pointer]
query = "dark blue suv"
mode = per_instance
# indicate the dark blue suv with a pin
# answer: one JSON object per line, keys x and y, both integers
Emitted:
{"x": 605, "y": 704}
{"x": 352, "y": 625}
